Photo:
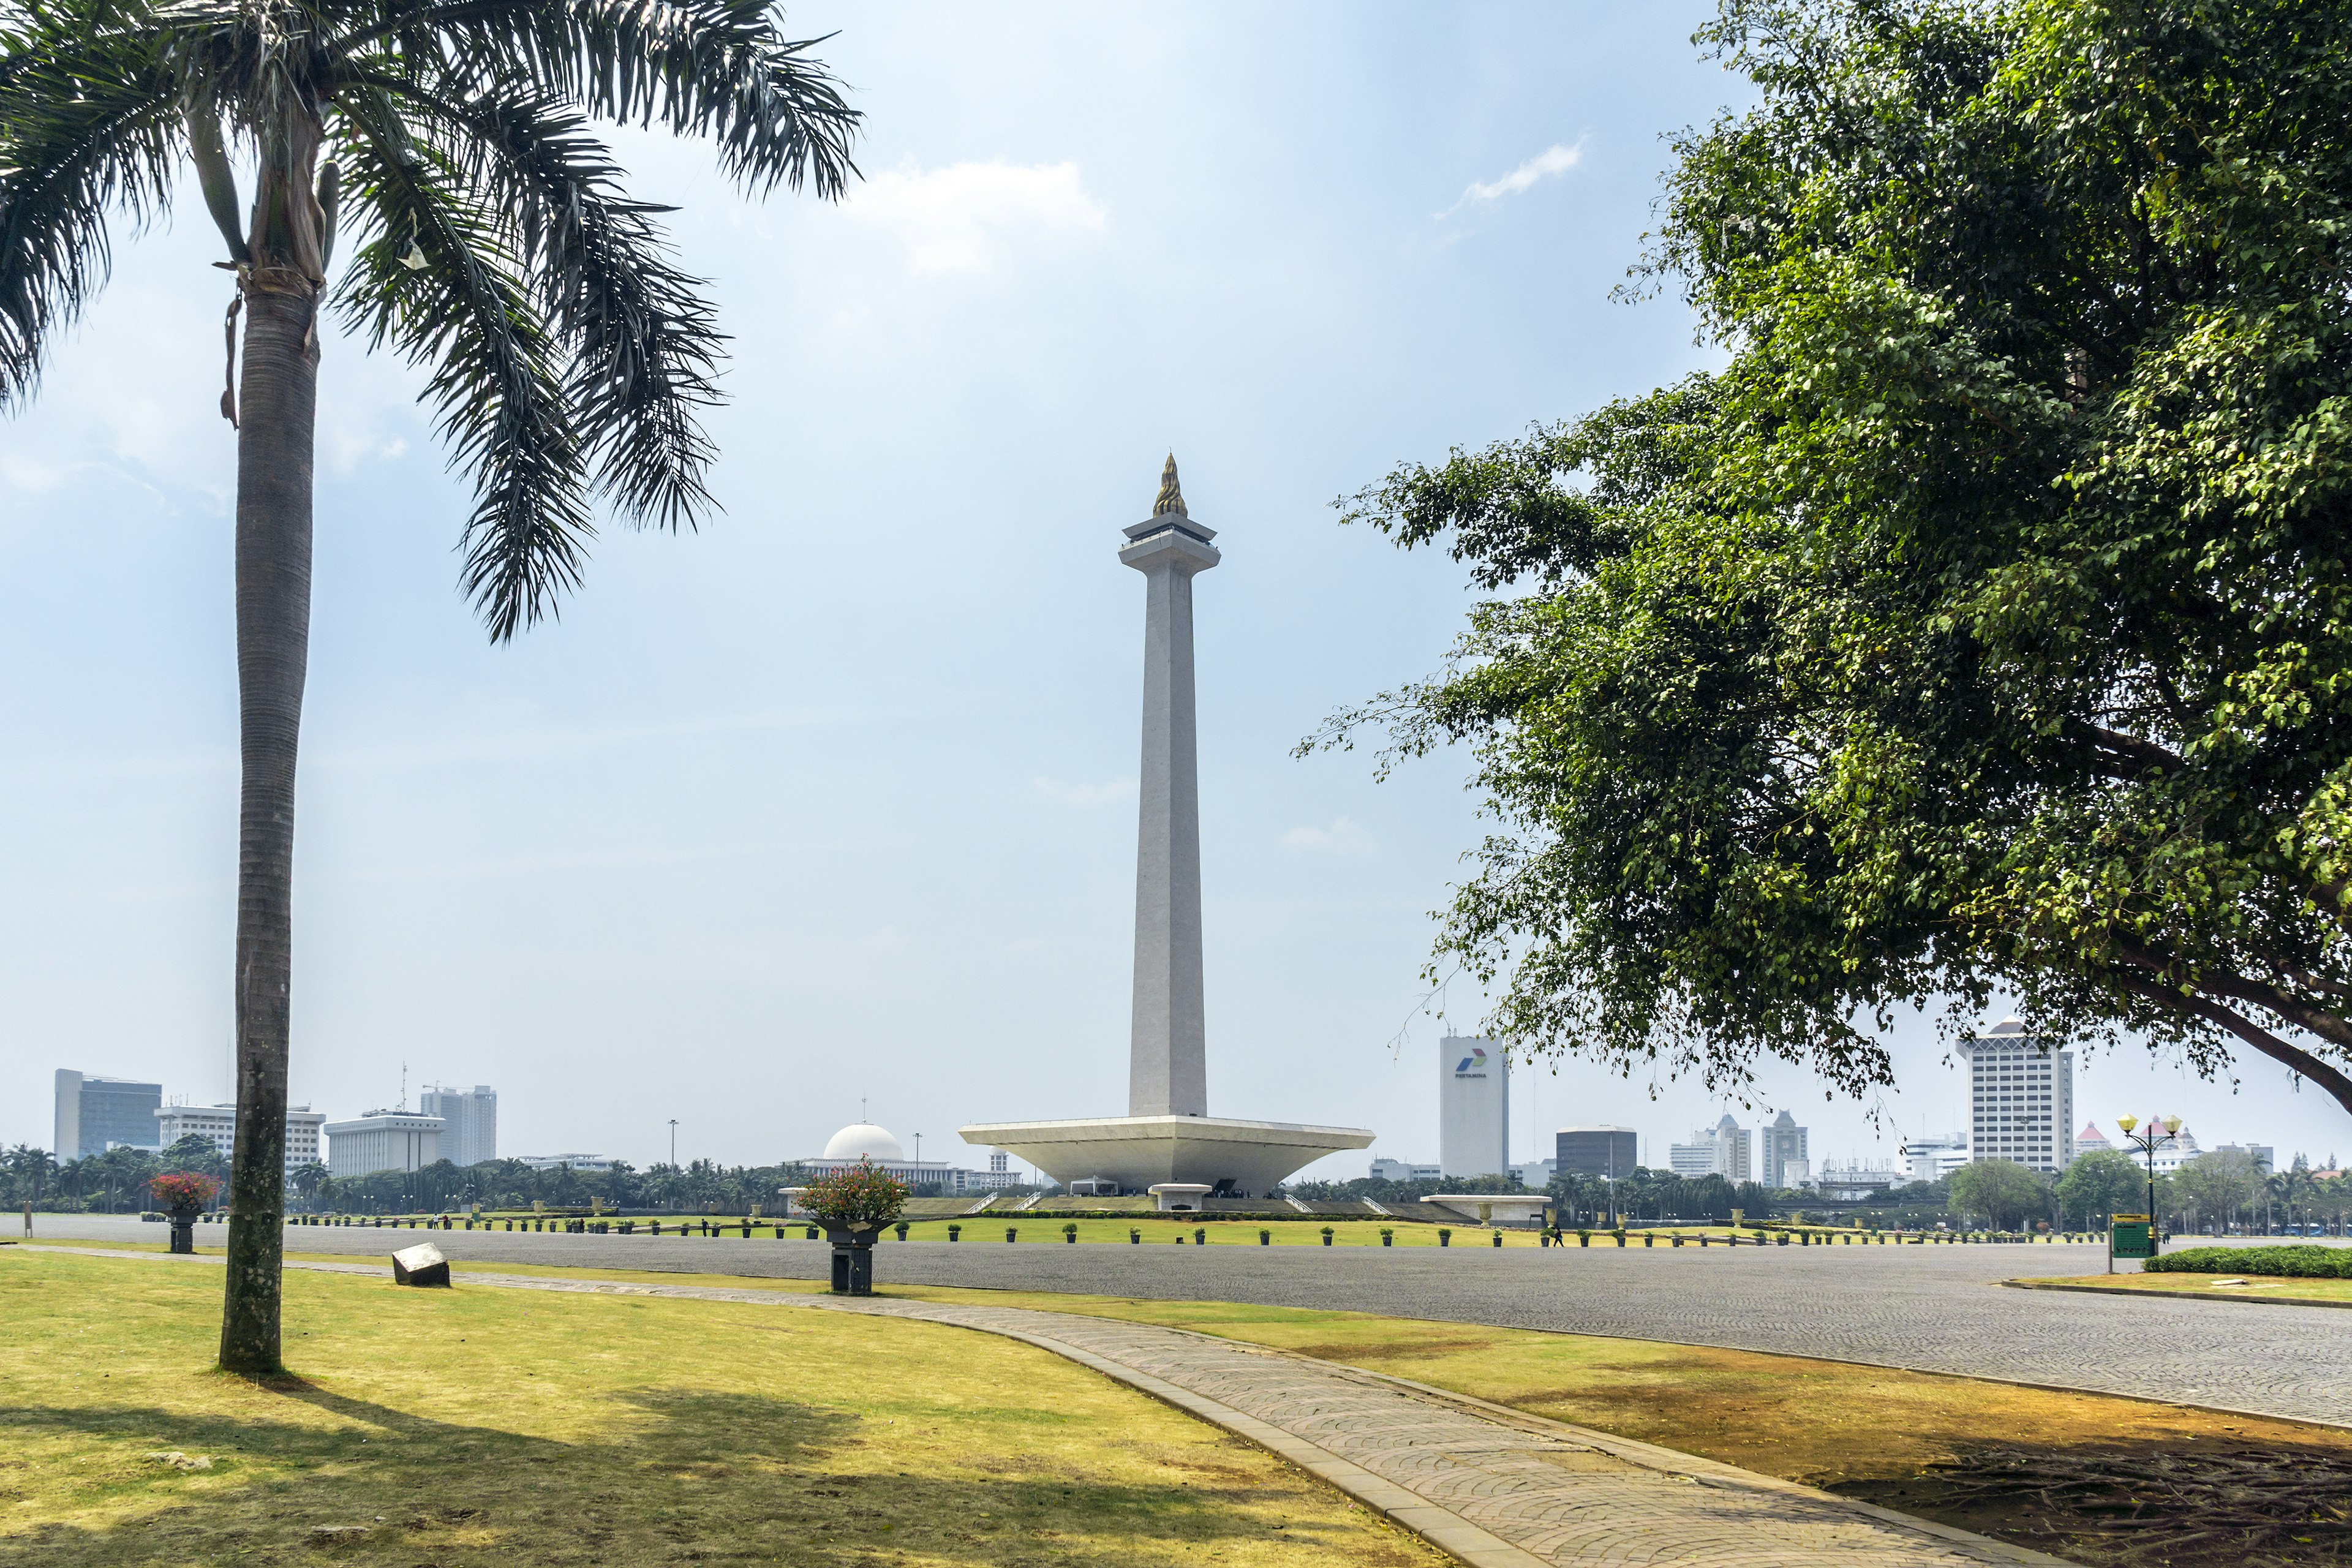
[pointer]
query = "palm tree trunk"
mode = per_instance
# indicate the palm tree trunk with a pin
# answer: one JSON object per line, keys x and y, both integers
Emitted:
{"x": 273, "y": 635}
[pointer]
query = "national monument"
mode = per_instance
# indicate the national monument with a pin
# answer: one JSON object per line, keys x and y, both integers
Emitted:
{"x": 1168, "y": 1138}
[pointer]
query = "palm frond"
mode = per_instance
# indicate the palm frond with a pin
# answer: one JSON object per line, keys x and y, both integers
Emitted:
{"x": 496, "y": 371}
{"x": 642, "y": 343}
{"x": 88, "y": 125}
{"x": 716, "y": 68}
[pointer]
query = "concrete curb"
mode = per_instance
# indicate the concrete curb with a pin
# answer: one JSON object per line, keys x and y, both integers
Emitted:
{"x": 2176, "y": 1296}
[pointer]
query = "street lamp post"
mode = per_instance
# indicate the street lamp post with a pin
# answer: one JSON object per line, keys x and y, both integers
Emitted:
{"x": 2145, "y": 1142}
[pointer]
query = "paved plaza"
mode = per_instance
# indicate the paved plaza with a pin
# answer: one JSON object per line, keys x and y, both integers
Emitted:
{"x": 1935, "y": 1309}
{"x": 1496, "y": 1487}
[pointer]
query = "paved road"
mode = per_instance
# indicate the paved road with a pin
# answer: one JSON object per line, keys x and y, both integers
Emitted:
{"x": 1495, "y": 1487}
{"x": 1936, "y": 1308}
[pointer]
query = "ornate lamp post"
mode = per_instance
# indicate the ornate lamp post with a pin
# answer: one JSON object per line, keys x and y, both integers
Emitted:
{"x": 2145, "y": 1142}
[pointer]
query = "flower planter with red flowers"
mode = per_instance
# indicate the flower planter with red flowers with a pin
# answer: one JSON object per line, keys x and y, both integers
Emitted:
{"x": 183, "y": 1195}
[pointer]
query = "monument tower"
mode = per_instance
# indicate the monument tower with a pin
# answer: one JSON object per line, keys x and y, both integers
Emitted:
{"x": 1167, "y": 1056}
{"x": 1167, "y": 1139}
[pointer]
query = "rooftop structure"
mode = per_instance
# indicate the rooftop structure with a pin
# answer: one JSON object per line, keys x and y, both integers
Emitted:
{"x": 383, "y": 1140}
{"x": 1473, "y": 1106}
{"x": 1167, "y": 1135}
{"x": 471, "y": 1135}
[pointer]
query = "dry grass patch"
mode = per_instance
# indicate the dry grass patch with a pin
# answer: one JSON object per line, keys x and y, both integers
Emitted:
{"x": 481, "y": 1427}
{"x": 2221, "y": 1287}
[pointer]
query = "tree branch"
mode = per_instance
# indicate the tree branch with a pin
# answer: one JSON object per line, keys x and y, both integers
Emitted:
{"x": 2169, "y": 994}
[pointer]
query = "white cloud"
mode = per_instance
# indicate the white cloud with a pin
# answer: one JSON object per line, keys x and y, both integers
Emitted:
{"x": 1342, "y": 838}
{"x": 1085, "y": 793}
{"x": 1557, "y": 159}
{"x": 960, "y": 219}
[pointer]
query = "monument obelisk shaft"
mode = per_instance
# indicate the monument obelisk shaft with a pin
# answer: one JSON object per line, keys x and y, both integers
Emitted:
{"x": 1168, "y": 1069}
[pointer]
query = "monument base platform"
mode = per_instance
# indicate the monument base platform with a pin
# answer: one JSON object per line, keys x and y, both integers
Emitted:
{"x": 1230, "y": 1157}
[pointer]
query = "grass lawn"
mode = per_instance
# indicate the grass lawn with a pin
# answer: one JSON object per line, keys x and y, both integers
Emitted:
{"x": 480, "y": 1427}
{"x": 2288, "y": 1289}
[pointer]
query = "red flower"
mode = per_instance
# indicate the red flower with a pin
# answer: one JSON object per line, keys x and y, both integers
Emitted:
{"x": 183, "y": 1190}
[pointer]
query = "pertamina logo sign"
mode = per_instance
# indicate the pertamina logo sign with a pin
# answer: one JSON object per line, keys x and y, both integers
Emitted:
{"x": 1474, "y": 1065}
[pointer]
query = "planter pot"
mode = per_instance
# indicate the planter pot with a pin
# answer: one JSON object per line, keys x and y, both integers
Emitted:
{"x": 184, "y": 1229}
{"x": 853, "y": 1261}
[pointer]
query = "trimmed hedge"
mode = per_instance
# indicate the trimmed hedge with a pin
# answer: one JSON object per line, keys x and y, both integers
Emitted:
{"x": 2300, "y": 1262}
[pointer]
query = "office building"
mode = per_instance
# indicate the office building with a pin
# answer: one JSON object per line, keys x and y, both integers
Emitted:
{"x": 549, "y": 1162}
{"x": 1599, "y": 1151}
{"x": 218, "y": 1125}
{"x": 1385, "y": 1170}
{"x": 383, "y": 1140}
{"x": 1473, "y": 1106}
{"x": 2263, "y": 1154}
{"x": 1537, "y": 1174}
{"x": 1785, "y": 1143}
{"x": 2021, "y": 1099}
{"x": 471, "y": 1118}
{"x": 1932, "y": 1156}
{"x": 94, "y": 1114}
{"x": 2090, "y": 1139}
{"x": 1852, "y": 1183}
{"x": 1722, "y": 1150}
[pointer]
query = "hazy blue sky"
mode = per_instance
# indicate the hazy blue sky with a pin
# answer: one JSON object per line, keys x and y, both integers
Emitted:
{"x": 837, "y": 799}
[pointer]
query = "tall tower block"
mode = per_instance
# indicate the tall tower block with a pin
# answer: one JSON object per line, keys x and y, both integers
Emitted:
{"x": 1168, "y": 1068}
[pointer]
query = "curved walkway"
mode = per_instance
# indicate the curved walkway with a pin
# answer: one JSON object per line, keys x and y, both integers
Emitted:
{"x": 1493, "y": 1487}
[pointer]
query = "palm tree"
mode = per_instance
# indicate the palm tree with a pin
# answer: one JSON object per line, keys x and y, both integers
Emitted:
{"x": 446, "y": 144}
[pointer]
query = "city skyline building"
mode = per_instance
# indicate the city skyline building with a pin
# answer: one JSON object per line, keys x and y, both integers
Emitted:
{"x": 218, "y": 1125}
{"x": 94, "y": 1113}
{"x": 383, "y": 1140}
{"x": 1782, "y": 1144}
{"x": 1723, "y": 1150}
{"x": 1599, "y": 1150}
{"x": 1473, "y": 1106}
{"x": 2021, "y": 1097}
{"x": 471, "y": 1135}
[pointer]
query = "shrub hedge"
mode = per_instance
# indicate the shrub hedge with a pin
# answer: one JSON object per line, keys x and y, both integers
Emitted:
{"x": 2301, "y": 1262}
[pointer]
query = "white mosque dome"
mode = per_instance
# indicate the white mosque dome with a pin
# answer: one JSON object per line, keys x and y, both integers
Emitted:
{"x": 864, "y": 1140}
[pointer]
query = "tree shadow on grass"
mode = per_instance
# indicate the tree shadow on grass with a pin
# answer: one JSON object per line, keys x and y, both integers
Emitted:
{"x": 683, "y": 1476}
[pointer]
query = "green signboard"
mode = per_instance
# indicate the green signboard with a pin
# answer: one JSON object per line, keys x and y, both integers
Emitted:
{"x": 2131, "y": 1237}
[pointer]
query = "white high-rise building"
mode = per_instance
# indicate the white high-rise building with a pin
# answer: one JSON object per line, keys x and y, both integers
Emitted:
{"x": 2021, "y": 1098}
{"x": 1788, "y": 1153}
{"x": 1932, "y": 1156}
{"x": 383, "y": 1140}
{"x": 217, "y": 1124}
{"x": 1722, "y": 1150}
{"x": 472, "y": 1114}
{"x": 1473, "y": 1106}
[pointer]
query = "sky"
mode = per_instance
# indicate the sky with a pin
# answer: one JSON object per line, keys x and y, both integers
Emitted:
{"x": 828, "y": 809}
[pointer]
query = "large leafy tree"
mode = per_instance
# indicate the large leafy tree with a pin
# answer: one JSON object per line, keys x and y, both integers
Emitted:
{"x": 1984, "y": 624}
{"x": 444, "y": 148}
{"x": 2101, "y": 1181}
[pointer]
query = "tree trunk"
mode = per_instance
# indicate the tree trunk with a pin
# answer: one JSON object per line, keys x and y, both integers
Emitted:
{"x": 273, "y": 633}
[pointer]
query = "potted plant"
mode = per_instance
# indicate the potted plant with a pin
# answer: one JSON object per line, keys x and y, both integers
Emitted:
{"x": 1445, "y": 1235}
{"x": 1327, "y": 1235}
{"x": 183, "y": 1195}
{"x": 1200, "y": 1237}
{"x": 853, "y": 1206}
{"x": 1388, "y": 1237}
{"x": 1070, "y": 1232}
{"x": 1012, "y": 1233}
{"x": 955, "y": 1232}
{"x": 1134, "y": 1237}
{"x": 1266, "y": 1239}
{"x": 901, "y": 1228}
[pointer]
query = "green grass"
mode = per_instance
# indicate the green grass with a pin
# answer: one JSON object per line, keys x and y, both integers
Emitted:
{"x": 469, "y": 1428}
{"x": 2285, "y": 1288}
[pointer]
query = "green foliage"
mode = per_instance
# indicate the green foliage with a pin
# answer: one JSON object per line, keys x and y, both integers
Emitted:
{"x": 2216, "y": 1184}
{"x": 2000, "y": 1192}
{"x": 862, "y": 1197}
{"x": 2296, "y": 1262}
{"x": 1985, "y": 625}
{"x": 2101, "y": 1181}
{"x": 489, "y": 239}
{"x": 183, "y": 1190}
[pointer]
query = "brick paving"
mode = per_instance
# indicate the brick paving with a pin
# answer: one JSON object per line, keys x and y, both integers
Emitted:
{"x": 1935, "y": 1309}
{"x": 1495, "y": 1487}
